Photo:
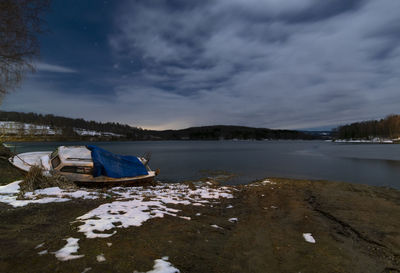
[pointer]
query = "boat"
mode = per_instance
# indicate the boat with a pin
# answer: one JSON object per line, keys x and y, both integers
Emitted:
{"x": 88, "y": 166}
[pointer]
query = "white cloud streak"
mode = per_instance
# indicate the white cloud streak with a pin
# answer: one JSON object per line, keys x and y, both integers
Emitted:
{"x": 45, "y": 67}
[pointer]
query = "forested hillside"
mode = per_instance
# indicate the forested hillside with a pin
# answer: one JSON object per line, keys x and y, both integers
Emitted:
{"x": 68, "y": 123}
{"x": 231, "y": 132}
{"x": 388, "y": 127}
{"x": 62, "y": 128}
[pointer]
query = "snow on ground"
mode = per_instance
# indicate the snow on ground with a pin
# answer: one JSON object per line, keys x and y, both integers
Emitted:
{"x": 11, "y": 188}
{"x": 12, "y": 200}
{"x": 43, "y": 252}
{"x": 100, "y": 258}
{"x": 66, "y": 253}
{"x": 261, "y": 183}
{"x": 159, "y": 196}
{"x": 14, "y": 127}
{"x": 132, "y": 206}
{"x": 9, "y": 194}
{"x": 309, "y": 238}
{"x": 373, "y": 140}
{"x": 162, "y": 266}
{"x": 233, "y": 220}
{"x": 39, "y": 245}
{"x": 60, "y": 193}
{"x": 136, "y": 205}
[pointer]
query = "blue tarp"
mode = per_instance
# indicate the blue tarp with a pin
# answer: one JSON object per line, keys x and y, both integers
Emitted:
{"x": 114, "y": 165}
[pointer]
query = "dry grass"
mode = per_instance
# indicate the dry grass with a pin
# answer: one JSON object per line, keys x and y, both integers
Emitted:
{"x": 35, "y": 179}
{"x": 4, "y": 151}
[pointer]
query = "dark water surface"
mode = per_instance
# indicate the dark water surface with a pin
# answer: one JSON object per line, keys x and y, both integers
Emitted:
{"x": 373, "y": 164}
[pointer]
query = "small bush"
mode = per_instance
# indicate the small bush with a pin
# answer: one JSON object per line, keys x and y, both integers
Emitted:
{"x": 35, "y": 179}
{"x": 4, "y": 151}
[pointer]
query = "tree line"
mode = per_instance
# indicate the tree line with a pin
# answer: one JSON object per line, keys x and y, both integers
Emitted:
{"x": 68, "y": 124}
{"x": 218, "y": 132}
{"x": 388, "y": 127}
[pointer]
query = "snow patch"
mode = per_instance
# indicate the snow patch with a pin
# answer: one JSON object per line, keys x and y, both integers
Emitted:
{"x": 162, "y": 266}
{"x": 373, "y": 140}
{"x": 266, "y": 181}
{"x": 100, "y": 258}
{"x": 136, "y": 205}
{"x": 43, "y": 252}
{"x": 13, "y": 187}
{"x": 9, "y": 194}
{"x": 66, "y": 253}
{"x": 261, "y": 183}
{"x": 233, "y": 220}
{"x": 39, "y": 245}
{"x": 309, "y": 238}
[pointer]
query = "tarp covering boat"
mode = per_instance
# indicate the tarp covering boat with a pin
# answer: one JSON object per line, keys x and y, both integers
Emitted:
{"x": 113, "y": 165}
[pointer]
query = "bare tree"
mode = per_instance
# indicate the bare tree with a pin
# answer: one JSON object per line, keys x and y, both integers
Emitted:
{"x": 20, "y": 24}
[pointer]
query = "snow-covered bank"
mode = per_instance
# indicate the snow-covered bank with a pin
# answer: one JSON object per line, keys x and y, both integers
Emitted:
{"x": 373, "y": 140}
{"x": 15, "y": 127}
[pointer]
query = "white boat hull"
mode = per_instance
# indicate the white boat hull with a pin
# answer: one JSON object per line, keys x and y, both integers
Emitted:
{"x": 25, "y": 161}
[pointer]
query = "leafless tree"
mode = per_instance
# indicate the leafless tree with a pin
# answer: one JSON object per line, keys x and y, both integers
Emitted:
{"x": 20, "y": 24}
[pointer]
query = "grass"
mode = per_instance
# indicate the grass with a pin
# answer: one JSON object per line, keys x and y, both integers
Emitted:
{"x": 35, "y": 180}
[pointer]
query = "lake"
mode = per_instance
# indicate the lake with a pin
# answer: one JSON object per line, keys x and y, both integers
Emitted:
{"x": 372, "y": 164}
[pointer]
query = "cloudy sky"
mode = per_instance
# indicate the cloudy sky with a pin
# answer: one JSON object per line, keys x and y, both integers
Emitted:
{"x": 158, "y": 64}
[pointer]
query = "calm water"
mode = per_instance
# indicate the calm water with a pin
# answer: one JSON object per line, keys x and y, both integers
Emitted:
{"x": 373, "y": 164}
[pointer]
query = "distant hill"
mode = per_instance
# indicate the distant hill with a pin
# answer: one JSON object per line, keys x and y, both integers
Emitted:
{"x": 231, "y": 132}
{"x": 32, "y": 126}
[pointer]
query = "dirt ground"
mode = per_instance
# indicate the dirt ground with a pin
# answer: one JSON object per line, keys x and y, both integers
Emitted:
{"x": 8, "y": 173}
{"x": 356, "y": 228}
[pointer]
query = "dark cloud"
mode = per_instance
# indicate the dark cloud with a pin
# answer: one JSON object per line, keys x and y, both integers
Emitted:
{"x": 265, "y": 63}
{"x": 323, "y": 10}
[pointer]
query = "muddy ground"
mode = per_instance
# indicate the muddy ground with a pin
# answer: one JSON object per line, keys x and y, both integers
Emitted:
{"x": 356, "y": 228}
{"x": 8, "y": 173}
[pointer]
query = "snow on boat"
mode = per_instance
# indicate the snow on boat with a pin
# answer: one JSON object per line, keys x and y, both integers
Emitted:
{"x": 88, "y": 165}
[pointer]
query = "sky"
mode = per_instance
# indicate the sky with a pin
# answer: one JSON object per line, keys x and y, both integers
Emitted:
{"x": 170, "y": 64}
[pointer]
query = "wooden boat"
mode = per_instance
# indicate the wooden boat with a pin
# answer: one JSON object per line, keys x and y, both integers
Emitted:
{"x": 75, "y": 163}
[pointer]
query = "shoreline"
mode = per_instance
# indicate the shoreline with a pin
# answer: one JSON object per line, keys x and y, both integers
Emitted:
{"x": 270, "y": 225}
{"x": 265, "y": 226}
{"x": 10, "y": 173}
